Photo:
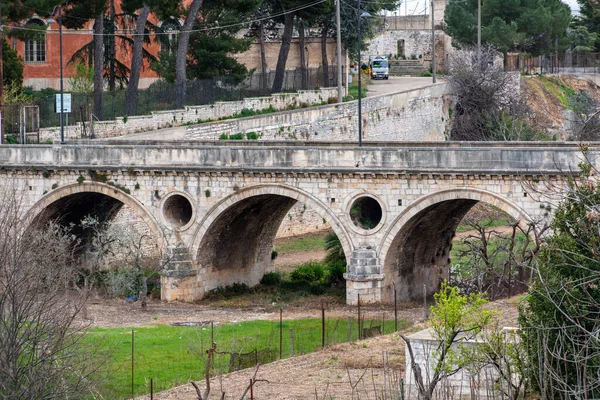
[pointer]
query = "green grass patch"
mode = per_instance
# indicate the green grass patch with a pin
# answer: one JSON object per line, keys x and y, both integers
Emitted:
{"x": 558, "y": 89}
{"x": 172, "y": 355}
{"x": 462, "y": 261}
{"x": 353, "y": 88}
{"x": 302, "y": 244}
{"x": 490, "y": 223}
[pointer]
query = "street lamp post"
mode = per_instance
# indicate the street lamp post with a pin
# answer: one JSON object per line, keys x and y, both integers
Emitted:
{"x": 60, "y": 61}
{"x": 359, "y": 88}
{"x": 62, "y": 123}
{"x": 360, "y": 16}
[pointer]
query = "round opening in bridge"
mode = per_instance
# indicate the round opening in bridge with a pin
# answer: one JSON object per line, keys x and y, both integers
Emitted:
{"x": 177, "y": 210}
{"x": 366, "y": 212}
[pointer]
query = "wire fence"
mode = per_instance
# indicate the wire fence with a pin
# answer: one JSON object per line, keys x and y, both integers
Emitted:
{"x": 147, "y": 360}
{"x": 557, "y": 63}
{"x": 161, "y": 95}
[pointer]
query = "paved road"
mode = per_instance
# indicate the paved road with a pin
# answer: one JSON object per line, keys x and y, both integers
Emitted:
{"x": 377, "y": 87}
{"x": 397, "y": 84}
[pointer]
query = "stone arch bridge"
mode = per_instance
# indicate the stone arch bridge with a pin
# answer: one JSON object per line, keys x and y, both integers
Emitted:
{"x": 215, "y": 207}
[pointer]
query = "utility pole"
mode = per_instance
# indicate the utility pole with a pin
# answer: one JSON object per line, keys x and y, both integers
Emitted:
{"x": 479, "y": 32}
{"x": 339, "y": 51}
{"x": 1, "y": 80}
{"x": 62, "y": 95}
{"x": 433, "y": 69}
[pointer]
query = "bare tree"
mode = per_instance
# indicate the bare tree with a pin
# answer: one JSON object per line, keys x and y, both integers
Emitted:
{"x": 44, "y": 353}
{"x": 497, "y": 260}
{"x": 488, "y": 104}
{"x": 587, "y": 111}
{"x": 132, "y": 257}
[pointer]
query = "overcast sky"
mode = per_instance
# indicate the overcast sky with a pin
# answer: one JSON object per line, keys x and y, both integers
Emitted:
{"x": 573, "y": 4}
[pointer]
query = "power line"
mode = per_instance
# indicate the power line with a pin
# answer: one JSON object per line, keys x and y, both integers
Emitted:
{"x": 132, "y": 33}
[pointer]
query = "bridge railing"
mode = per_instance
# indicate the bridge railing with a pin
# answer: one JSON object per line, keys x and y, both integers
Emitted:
{"x": 297, "y": 158}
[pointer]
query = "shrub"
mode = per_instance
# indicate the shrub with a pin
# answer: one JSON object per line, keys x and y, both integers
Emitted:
{"x": 252, "y": 136}
{"x": 123, "y": 282}
{"x": 309, "y": 272}
{"x": 332, "y": 100}
{"x": 226, "y": 292}
{"x": 274, "y": 254}
{"x": 334, "y": 273}
{"x": 224, "y": 136}
{"x": 236, "y": 136}
{"x": 271, "y": 279}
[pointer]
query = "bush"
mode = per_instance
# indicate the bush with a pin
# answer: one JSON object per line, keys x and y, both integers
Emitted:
{"x": 271, "y": 279}
{"x": 224, "y": 136}
{"x": 309, "y": 272}
{"x": 226, "y": 292}
{"x": 237, "y": 136}
{"x": 252, "y": 136}
{"x": 123, "y": 282}
{"x": 335, "y": 273}
{"x": 274, "y": 254}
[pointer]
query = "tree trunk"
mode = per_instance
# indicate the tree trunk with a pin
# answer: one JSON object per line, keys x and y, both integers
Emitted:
{"x": 263, "y": 58}
{"x": 144, "y": 292}
{"x": 182, "y": 48}
{"x": 324, "y": 61}
{"x": 98, "y": 67}
{"x": 111, "y": 48}
{"x": 304, "y": 82}
{"x": 283, "y": 52}
{"x": 136, "y": 62}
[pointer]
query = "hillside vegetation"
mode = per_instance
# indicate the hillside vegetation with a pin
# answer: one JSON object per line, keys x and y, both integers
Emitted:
{"x": 551, "y": 110}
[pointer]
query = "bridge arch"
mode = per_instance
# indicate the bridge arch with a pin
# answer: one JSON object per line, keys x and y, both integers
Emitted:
{"x": 234, "y": 239}
{"x": 412, "y": 260}
{"x": 43, "y": 208}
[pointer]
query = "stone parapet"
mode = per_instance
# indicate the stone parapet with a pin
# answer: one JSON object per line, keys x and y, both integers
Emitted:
{"x": 447, "y": 159}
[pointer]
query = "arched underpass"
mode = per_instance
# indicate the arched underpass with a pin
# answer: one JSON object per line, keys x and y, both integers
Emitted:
{"x": 236, "y": 246}
{"x": 69, "y": 205}
{"x": 418, "y": 257}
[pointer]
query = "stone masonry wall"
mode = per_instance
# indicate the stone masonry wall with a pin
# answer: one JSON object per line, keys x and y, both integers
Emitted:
{"x": 417, "y": 44}
{"x": 336, "y": 192}
{"x": 301, "y": 220}
{"x": 414, "y": 115}
{"x": 191, "y": 114}
{"x": 482, "y": 382}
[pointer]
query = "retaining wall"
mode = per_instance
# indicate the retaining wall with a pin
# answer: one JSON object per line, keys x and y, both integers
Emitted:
{"x": 191, "y": 114}
{"x": 414, "y": 115}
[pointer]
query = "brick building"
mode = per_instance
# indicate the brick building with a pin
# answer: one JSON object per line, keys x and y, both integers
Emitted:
{"x": 41, "y": 56}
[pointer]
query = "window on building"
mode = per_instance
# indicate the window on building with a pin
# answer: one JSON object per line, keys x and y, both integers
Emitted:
{"x": 35, "y": 49}
{"x": 169, "y": 34}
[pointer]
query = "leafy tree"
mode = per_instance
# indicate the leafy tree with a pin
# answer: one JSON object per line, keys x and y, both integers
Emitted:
{"x": 531, "y": 26}
{"x": 590, "y": 18}
{"x": 182, "y": 51}
{"x": 210, "y": 49}
{"x": 582, "y": 39}
{"x": 454, "y": 319}
{"x": 335, "y": 251}
{"x": 286, "y": 7}
{"x": 82, "y": 79}
{"x": 350, "y": 17}
{"x": 260, "y": 28}
{"x": 12, "y": 67}
{"x": 76, "y": 16}
{"x": 560, "y": 318}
